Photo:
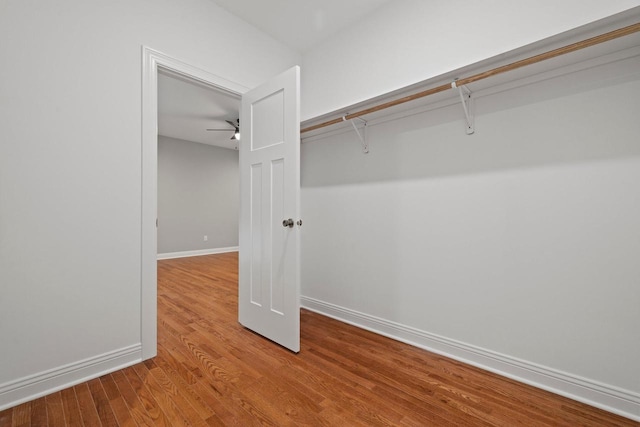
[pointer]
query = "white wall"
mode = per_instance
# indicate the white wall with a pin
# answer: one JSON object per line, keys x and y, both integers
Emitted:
{"x": 198, "y": 195}
{"x": 70, "y": 170}
{"x": 519, "y": 243}
{"x": 409, "y": 41}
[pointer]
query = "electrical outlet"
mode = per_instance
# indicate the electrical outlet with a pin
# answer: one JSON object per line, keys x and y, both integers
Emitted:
{"x": 206, "y": 237}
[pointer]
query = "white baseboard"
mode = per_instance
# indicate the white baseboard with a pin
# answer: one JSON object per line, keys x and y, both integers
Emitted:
{"x": 603, "y": 396}
{"x": 184, "y": 254}
{"x": 41, "y": 384}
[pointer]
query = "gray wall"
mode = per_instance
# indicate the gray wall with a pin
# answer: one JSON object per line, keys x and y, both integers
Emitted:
{"x": 70, "y": 172}
{"x": 198, "y": 195}
{"x": 409, "y": 41}
{"x": 521, "y": 240}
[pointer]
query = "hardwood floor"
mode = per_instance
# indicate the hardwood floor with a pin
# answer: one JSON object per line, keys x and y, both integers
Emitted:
{"x": 210, "y": 371}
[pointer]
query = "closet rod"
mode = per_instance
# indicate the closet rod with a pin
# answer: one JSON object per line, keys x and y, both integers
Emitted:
{"x": 621, "y": 32}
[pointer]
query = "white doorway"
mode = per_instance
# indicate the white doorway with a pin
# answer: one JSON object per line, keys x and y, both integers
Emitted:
{"x": 153, "y": 63}
{"x": 265, "y": 115}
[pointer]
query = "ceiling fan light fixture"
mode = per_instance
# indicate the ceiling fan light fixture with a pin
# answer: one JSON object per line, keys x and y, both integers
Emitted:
{"x": 236, "y": 129}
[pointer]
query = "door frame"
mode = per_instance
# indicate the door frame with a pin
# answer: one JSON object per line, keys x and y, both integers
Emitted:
{"x": 152, "y": 62}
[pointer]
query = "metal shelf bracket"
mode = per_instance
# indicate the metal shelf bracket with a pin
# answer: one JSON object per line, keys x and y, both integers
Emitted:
{"x": 467, "y": 105}
{"x": 362, "y": 137}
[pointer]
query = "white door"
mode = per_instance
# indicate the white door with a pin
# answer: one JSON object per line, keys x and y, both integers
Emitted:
{"x": 269, "y": 260}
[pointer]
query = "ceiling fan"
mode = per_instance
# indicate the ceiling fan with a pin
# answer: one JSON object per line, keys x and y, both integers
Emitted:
{"x": 236, "y": 129}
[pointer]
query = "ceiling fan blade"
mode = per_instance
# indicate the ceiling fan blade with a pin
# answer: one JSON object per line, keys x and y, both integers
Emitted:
{"x": 221, "y": 130}
{"x": 233, "y": 137}
{"x": 235, "y": 125}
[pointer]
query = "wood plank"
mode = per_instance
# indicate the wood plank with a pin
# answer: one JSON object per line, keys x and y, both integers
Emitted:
{"x": 149, "y": 403}
{"x": 224, "y": 406}
{"x": 6, "y": 417}
{"x": 22, "y": 415}
{"x": 88, "y": 409}
{"x": 276, "y": 404}
{"x": 162, "y": 396}
{"x": 71, "y": 407}
{"x": 101, "y": 402}
{"x": 55, "y": 410}
{"x": 210, "y": 371}
{"x": 39, "y": 412}
{"x": 123, "y": 416}
{"x": 120, "y": 409}
{"x": 185, "y": 389}
{"x": 193, "y": 411}
{"x": 110, "y": 387}
{"x": 132, "y": 400}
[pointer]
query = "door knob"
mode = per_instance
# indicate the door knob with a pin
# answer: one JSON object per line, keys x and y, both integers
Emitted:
{"x": 288, "y": 223}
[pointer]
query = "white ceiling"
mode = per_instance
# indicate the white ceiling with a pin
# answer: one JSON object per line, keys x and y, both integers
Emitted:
{"x": 300, "y": 24}
{"x": 186, "y": 109}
